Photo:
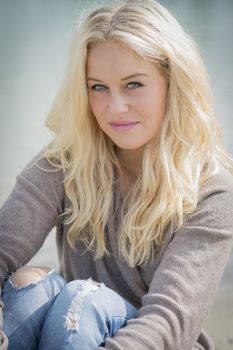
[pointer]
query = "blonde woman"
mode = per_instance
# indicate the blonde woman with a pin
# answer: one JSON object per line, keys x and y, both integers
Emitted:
{"x": 140, "y": 188}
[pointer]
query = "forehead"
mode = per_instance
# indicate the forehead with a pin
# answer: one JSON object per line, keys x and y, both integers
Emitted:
{"x": 112, "y": 56}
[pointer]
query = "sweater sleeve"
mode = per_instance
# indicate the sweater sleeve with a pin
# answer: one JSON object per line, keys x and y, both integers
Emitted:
{"x": 3, "y": 338}
{"x": 184, "y": 285}
{"x": 28, "y": 215}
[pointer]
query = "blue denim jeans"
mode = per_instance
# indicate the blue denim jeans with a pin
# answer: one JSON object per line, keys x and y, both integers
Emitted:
{"x": 51, "y": 314}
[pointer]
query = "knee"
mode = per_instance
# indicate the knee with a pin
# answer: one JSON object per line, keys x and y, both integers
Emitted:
{"x": 29, "y": 274}
{"x": 83, "y": 286}
{"x": 78, "y": 293}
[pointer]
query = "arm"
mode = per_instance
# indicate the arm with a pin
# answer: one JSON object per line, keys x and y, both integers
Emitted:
{"x": 28, "y": 215}
{"x": 3, "y": 338}
{"x": 184, "y": 285}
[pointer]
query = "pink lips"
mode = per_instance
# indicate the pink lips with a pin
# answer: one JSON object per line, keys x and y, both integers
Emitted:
{"x": 123, "y": 125}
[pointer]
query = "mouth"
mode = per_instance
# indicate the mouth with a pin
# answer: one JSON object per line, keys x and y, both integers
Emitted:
{"x": 123, "y": 123}
{"x": 123, "y": 126}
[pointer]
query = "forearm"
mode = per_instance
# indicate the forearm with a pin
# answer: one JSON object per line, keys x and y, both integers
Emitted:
{"x": 3, "y": 338}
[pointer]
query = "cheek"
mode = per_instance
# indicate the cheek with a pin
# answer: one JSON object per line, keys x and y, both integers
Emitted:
{"x": 157, "y": 104}
{"x": 97, "y": 105}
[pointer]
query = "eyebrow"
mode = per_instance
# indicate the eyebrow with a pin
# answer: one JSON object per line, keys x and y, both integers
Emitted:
{"x": 126, "y": 78}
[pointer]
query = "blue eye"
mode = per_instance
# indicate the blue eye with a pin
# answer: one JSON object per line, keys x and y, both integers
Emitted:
{"x": 134, "y": 85}
{"x": 98, "y": 87}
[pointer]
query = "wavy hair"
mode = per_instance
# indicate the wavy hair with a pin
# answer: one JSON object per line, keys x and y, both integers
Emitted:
{"x": 188, "y": 150}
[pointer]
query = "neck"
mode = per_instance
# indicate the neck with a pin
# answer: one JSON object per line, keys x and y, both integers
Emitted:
{"x": 130, "y": 160}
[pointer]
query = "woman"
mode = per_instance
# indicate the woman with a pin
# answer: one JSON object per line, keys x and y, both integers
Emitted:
{"x": 140, "y": 188}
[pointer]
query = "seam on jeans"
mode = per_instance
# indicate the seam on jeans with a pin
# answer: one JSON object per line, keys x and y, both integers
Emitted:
{"x": 16, "y": 287}
{"x": 73, "y": 314}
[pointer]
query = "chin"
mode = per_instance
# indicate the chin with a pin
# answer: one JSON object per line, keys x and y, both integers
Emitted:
{"x": 128, "y": 147}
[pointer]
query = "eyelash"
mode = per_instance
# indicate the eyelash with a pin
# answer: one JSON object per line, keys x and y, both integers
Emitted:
{"x": 94, "y": 87}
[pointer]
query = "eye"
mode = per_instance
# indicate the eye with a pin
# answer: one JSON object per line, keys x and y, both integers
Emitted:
{"x": 134, "y": 85}
{"x": 98, "y": 87}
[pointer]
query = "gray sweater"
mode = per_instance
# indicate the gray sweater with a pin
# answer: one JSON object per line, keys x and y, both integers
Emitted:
{"x": 173, "y": 294}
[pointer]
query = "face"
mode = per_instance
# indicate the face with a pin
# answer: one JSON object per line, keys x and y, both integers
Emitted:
{"x": 127, "y": 95}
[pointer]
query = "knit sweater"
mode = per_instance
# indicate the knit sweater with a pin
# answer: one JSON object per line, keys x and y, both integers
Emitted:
{"x": 173, "y": 293}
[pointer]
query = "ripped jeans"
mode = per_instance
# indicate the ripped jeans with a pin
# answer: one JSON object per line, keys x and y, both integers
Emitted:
{"x": 51, "y": 314}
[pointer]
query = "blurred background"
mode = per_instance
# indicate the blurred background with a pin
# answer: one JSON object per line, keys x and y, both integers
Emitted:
{"x": 34, "y": 41}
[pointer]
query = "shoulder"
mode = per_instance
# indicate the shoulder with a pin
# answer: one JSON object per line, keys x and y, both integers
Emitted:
{"x": 42, "y": 169}
{"x": 221, "y": 182}
{"x": 215, "y": 203}
{"x": 40, "y": 180}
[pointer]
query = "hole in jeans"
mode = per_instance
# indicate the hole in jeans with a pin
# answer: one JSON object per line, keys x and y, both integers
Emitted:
{"x": 40, "y": 277}
{"x": 73, "y": 315}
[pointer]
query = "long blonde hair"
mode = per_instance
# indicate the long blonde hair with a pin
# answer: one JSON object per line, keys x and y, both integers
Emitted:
{"x": 175, "y": 164}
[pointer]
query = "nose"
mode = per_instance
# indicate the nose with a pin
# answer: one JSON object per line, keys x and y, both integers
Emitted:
{"x": 118, "y": 104}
